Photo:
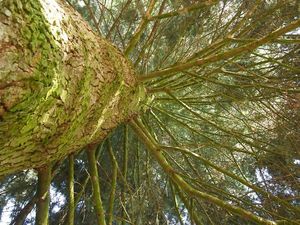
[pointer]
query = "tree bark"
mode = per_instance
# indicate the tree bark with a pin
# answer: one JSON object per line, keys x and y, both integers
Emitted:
{"x": 92, "y": 163}
{"x": 22, "y": 215}
{"x": 61, "y": 86}
{"x": 71, "y": 203}
{"x": 42, "y": 206}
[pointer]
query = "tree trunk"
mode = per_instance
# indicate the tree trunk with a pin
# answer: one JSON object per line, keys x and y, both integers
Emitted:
{"x": 43, "y": 195}
{"x": 93, "y": 170}
{"x": 61, "y": 86}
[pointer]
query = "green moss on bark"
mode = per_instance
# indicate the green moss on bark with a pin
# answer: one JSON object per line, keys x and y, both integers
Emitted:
{"x": 67, "y": 83}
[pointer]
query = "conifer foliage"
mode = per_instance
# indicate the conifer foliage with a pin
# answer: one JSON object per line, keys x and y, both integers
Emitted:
{"x": 216, "y": 141}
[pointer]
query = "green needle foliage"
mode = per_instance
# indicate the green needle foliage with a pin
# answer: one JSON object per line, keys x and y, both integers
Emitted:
{"x": 218, "y": 140}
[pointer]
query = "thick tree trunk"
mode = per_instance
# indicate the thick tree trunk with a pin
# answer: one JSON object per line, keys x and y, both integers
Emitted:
{"x": 61, "y": 86}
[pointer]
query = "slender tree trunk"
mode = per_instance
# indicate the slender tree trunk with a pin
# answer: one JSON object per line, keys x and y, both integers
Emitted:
{"x": 42, "y": 207}
{"x": 59, "y": 82}
{"x": 21, "y": 217}
{"x": 96, "y": 186}
{"x": 125, "y": 168}
{"x": 114, "y": 165}
{"x": 71, "y": 204}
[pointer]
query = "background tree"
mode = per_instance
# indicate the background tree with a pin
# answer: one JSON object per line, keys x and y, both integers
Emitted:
{"x": 215, "y": 142}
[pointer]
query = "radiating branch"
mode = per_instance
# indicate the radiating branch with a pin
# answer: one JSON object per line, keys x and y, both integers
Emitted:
{"x": 185, "y": 10}
{"x": 156, "y": 152}
{"x": 142, "y": 26}
{"x": 222, "y": 56}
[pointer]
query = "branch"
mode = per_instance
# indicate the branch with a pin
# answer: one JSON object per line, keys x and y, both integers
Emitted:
{"x": 185, "y": 10}
{"x": 230, "y": 174}
{"x": 42, "y": 208}
{"x": 92, "y": 163}
{"x": 125, "y": 168}
{"x": 117, "y": 20}
{"x": 113, "y": 184}
{"x": 222, "y": 56}
{"x": 176, "y": 205}
{"x": 23, "y": 213}
{"x": 20, "y": 218}
{"x": 194, "y": 216}
{"x": 156, "y": 152}
{"x": 136, "y": 37}
{"x": 92, "y": 15}
{"x": 280, "y": 41}
{"x": 151, "y": 37}
{"x": 71, "y": 190}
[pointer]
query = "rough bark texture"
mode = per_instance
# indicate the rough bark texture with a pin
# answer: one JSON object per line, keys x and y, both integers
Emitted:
{"x": 61, "y": 86}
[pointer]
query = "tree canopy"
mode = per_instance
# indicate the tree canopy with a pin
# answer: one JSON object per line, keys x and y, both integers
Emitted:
{"x": 216, "y": 140}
